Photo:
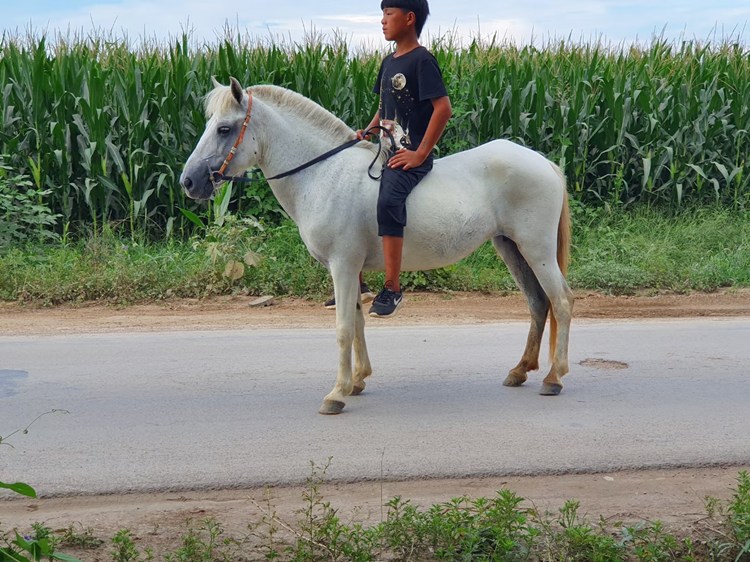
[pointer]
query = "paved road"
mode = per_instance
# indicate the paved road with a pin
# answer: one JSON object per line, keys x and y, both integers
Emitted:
{"x": 239, "y": 408}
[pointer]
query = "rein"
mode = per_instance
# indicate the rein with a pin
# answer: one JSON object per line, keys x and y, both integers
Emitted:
{"x": 217, "y": 176}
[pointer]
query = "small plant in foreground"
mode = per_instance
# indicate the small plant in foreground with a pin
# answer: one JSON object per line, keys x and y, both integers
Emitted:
{"x": 725, "y": 533}
{"x": 20, "y": 487}
{"x": 33, "y": 548}
{"x": 82, "y": 538}
{"x": 570, "y": 537}
{"x": 651, "y": 543}
{"x": 319, "y": 533}
{"x": 40, "y": 545}
{"x": 501, "y": 529}
{"x": 204, "y": 544}
{"x": 125, "y": 549}
{"x": 739, "y": 516}
{"x": 23, "y": 215}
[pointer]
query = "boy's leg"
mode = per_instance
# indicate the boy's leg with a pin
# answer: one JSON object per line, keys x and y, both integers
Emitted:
{"x": 364, "y": 291}
{"x": 395, "y": 187}
{"x": 392, "y": 249}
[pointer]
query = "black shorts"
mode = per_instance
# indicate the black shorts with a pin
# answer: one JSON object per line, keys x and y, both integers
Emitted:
{"x": 395, "y": 187}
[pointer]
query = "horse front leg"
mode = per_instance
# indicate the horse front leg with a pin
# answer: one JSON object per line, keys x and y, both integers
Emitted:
{"x": 362, "y": 366}
{"x": 345, "y": 289}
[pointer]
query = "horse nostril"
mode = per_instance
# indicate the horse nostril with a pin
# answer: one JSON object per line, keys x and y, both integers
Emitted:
{"x": 188, "y": 183}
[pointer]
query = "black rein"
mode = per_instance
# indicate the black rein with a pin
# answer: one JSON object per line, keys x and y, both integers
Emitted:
{"x": 217, "y": 177}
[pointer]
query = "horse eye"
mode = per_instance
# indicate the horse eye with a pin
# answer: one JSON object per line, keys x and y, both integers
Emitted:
{"x": 224, "y": 130}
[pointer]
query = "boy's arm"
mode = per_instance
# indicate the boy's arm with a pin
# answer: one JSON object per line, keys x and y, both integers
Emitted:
{"x": 408, "y": 159}
{"x": 373, "y": 122}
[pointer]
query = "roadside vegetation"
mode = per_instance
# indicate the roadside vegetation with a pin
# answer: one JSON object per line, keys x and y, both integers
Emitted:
{"x": 503, "y": 528}
{"x": 643, "y": 250}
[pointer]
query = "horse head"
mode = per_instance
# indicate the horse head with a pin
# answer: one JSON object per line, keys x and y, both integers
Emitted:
{"x": 224, "y": 149}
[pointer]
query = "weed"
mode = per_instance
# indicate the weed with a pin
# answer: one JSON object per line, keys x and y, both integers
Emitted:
{"x": 650, "y": 542}
{"x": 267, "y": 528}
{"x": 32, "y": 548}
{"x": 497, "y": 529}
{"x": 739, "y": 516}
{"x": 404, "y": 531}
{"x": 204, "y": 544}
{"x": 24, "y": 215}
{"x": 570, "y": 537}
{"x": 82, "y": 538}
{"x": 318, "y": 533}
{"x": 125, "y": 549}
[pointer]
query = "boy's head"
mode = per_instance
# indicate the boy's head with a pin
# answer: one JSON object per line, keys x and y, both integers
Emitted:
{"x": 420, "y": 8}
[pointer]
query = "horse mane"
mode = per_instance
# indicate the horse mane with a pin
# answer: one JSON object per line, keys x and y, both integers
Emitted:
{"x": 220, "y": 100}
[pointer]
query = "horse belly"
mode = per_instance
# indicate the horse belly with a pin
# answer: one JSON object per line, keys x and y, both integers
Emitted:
{"x": 445, "y": 224}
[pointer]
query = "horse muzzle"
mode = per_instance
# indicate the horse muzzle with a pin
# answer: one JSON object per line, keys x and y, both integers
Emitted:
{"x": 197, "y": 186}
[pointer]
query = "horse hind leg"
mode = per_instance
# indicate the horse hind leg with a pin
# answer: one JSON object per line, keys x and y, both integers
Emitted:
{"x": 560, "y": 297}
{"x": 538, "y": 306}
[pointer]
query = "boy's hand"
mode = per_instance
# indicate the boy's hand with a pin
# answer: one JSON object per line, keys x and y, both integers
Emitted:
{"x": 406, "y": 159}
{"x": 361, "y": 135}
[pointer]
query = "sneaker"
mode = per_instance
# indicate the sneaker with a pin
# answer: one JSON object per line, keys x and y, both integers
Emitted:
{"x": 386, "y": 304}
{"x": 364, "y": 293}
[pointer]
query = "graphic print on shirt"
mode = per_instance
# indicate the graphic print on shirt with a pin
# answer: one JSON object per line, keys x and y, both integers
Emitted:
{"x": 398, "y": 125}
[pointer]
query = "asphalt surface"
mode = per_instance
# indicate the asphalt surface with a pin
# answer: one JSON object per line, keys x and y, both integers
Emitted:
{"x": 197, "y": 410}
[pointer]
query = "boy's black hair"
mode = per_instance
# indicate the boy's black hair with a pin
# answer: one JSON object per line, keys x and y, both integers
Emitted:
{"x": 420, "y": 8}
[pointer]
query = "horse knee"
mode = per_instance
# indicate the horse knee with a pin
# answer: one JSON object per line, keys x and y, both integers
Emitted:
{"x": 345, "y": 336}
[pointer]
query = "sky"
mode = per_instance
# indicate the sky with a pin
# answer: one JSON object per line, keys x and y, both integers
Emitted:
{"x": 358, "y": 21}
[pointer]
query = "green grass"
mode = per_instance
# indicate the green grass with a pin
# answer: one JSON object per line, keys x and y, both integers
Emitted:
{"x": 502, "y": 528}
{"x": 619, "y": 253}
{"x": 700, "y": 250}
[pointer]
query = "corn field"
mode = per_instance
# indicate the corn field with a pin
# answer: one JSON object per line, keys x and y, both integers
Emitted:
{"x": 104, "y": 127}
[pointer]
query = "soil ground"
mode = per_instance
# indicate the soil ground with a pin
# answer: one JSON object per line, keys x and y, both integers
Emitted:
{"x": 676, "y": 496}
{"x": 420, "y": 308}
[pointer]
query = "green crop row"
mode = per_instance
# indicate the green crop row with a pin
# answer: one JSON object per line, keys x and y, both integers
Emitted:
{"x": 103, "y": 128}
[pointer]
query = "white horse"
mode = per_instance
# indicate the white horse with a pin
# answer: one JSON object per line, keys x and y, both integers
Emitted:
{"x": 499, "y": 191}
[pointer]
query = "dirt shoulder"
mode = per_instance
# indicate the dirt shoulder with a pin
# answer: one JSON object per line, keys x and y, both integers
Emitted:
{"x": 420, "y": 308}
{"x": 159, "y": 521}
{"x": 674, "y": 496}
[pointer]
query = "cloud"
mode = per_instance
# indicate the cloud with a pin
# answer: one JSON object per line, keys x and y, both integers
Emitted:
{"x": 520, "y": 21}
{"x": 371, "y": 21}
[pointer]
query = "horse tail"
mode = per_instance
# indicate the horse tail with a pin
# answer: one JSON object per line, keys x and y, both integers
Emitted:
{"x": 563, "y": 254}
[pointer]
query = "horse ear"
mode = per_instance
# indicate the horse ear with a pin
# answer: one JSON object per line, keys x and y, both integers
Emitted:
{"x": 237, "y": 91}
{"x": 215, "y": 82}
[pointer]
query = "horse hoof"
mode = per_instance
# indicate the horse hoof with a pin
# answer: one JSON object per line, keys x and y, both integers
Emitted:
{"x": 514, "y": 380}
{"x": 331, "y": 407}
{"x": 358, "y": 389}
{"x": 550, "y": 389}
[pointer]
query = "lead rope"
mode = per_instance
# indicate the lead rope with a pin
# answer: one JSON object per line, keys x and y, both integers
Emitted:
{"x": 218, "y": 176}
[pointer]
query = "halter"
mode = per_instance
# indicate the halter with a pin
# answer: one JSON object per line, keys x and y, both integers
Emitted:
{"x": 217, "y": 176}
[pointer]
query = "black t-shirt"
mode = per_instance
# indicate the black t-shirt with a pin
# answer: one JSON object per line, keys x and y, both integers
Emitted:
{"x": 407, "y": 85}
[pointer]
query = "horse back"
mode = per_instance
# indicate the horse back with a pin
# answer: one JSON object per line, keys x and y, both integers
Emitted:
{"x": 497, "y": 189}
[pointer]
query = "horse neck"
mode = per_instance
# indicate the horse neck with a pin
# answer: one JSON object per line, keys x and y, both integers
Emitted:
{"x": 287, "y": 142}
